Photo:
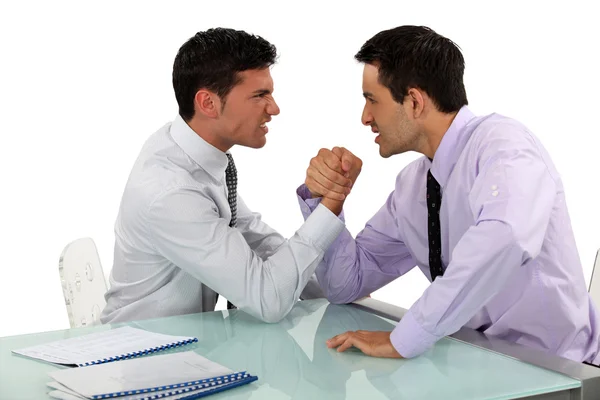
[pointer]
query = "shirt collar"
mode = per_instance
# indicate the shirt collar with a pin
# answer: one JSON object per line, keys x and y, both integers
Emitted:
{"x": 452, "y": 144}
{"x": 208, "y": 157}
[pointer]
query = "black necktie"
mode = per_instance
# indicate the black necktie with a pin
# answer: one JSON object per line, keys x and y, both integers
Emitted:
{"x": 434, "y": 201}
{"x": 231, "y": 180}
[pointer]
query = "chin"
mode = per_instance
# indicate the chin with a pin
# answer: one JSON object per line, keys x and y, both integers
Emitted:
{"x": 258, "y": 144}
{"x": 387, "y": 152}
{"x": 384, "y": 152}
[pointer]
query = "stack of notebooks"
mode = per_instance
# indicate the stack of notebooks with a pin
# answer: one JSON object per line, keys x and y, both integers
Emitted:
{"x": 120, "y": 364}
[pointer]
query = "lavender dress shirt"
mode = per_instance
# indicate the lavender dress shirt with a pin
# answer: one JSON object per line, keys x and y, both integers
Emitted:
{"x": 511, "y": 266}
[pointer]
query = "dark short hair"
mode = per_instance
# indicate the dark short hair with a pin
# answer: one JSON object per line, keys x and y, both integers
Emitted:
{"x": 212, "y": 60}
{"x": 416, "y": 56}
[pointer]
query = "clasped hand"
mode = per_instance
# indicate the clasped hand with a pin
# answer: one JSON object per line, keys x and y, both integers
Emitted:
{"x": 332, "y": 173}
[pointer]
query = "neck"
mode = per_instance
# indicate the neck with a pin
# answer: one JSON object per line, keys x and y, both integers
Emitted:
{"x": 207, "y": 131}
{"x": 434, "y": 130}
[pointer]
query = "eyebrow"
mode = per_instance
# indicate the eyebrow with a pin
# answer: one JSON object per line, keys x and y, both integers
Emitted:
{"x": 261, "y": 92}
{"x": 368, "y": 95}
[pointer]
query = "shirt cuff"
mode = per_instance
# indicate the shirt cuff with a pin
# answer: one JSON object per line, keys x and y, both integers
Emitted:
{"x": 322, "y": 227}
{"x": 410, "y": 339}
{"x": 308, "y": 204}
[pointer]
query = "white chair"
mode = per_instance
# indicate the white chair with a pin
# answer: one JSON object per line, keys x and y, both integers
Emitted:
{"x": 83, "y": 282}
{"x": 595, "y": 281}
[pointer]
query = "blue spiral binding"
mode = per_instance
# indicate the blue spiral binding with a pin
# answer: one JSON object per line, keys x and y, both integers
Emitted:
{"x": 140, "y": 353}
{"x": 217, "y": 384}
{"x": 245, "y": 381}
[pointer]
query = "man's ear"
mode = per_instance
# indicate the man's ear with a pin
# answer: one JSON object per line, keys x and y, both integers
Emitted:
{"x": 207, "y": 103}
{"x": 417, "y": 102}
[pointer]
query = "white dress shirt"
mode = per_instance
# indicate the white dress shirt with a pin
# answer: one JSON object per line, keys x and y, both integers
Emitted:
{"x": 174, "y": 249}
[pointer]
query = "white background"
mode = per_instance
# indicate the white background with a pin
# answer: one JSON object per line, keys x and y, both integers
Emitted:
{"x": 83, "y": 85}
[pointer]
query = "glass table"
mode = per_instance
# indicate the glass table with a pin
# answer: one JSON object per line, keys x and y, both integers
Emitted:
{"x": 292, "y": 361}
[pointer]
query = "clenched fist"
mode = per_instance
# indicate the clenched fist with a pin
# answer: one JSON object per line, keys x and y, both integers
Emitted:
{"x": 332, "y": 173}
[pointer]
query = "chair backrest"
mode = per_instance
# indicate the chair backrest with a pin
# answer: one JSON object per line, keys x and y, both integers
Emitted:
{"x": 595, "y": 281}
{"x": 83, "y": 282}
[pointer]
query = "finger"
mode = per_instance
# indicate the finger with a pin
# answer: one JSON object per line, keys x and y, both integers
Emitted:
{"x": 330, "y": 175}
{"x": 335, "y": 162}
{"x": 331, "y": 160}
{"x": 338, "y": 152}
{"x": 333, "y": 175}
{"x": 315, "y": 187}
{"x": 346, "y": 157}
{"x": 311, "y": 189}
{"x": 347, "y": 160}
{"x": 346, "y": 345}
{"x": 309, "y": 184}
{"x": 336, "y": 340}
{"x": 327, "y": 184}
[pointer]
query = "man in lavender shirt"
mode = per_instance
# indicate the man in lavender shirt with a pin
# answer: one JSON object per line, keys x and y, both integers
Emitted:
{"x": 500, "y": 246}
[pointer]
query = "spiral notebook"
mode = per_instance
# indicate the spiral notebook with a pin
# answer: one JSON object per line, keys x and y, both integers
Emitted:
{"x": 102, "y": 347}
{"x": 184, "y": 375}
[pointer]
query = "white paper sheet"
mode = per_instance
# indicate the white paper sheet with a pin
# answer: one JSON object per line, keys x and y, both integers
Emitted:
{"x": 64, "y": 393}
{"x": 139, "y": 374}
{"x": 99, "y": 346}
{"x": 60, "y": 395}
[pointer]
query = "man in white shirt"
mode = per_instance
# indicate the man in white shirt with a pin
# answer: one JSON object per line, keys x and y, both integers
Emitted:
{"x": 183, "y": 235}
